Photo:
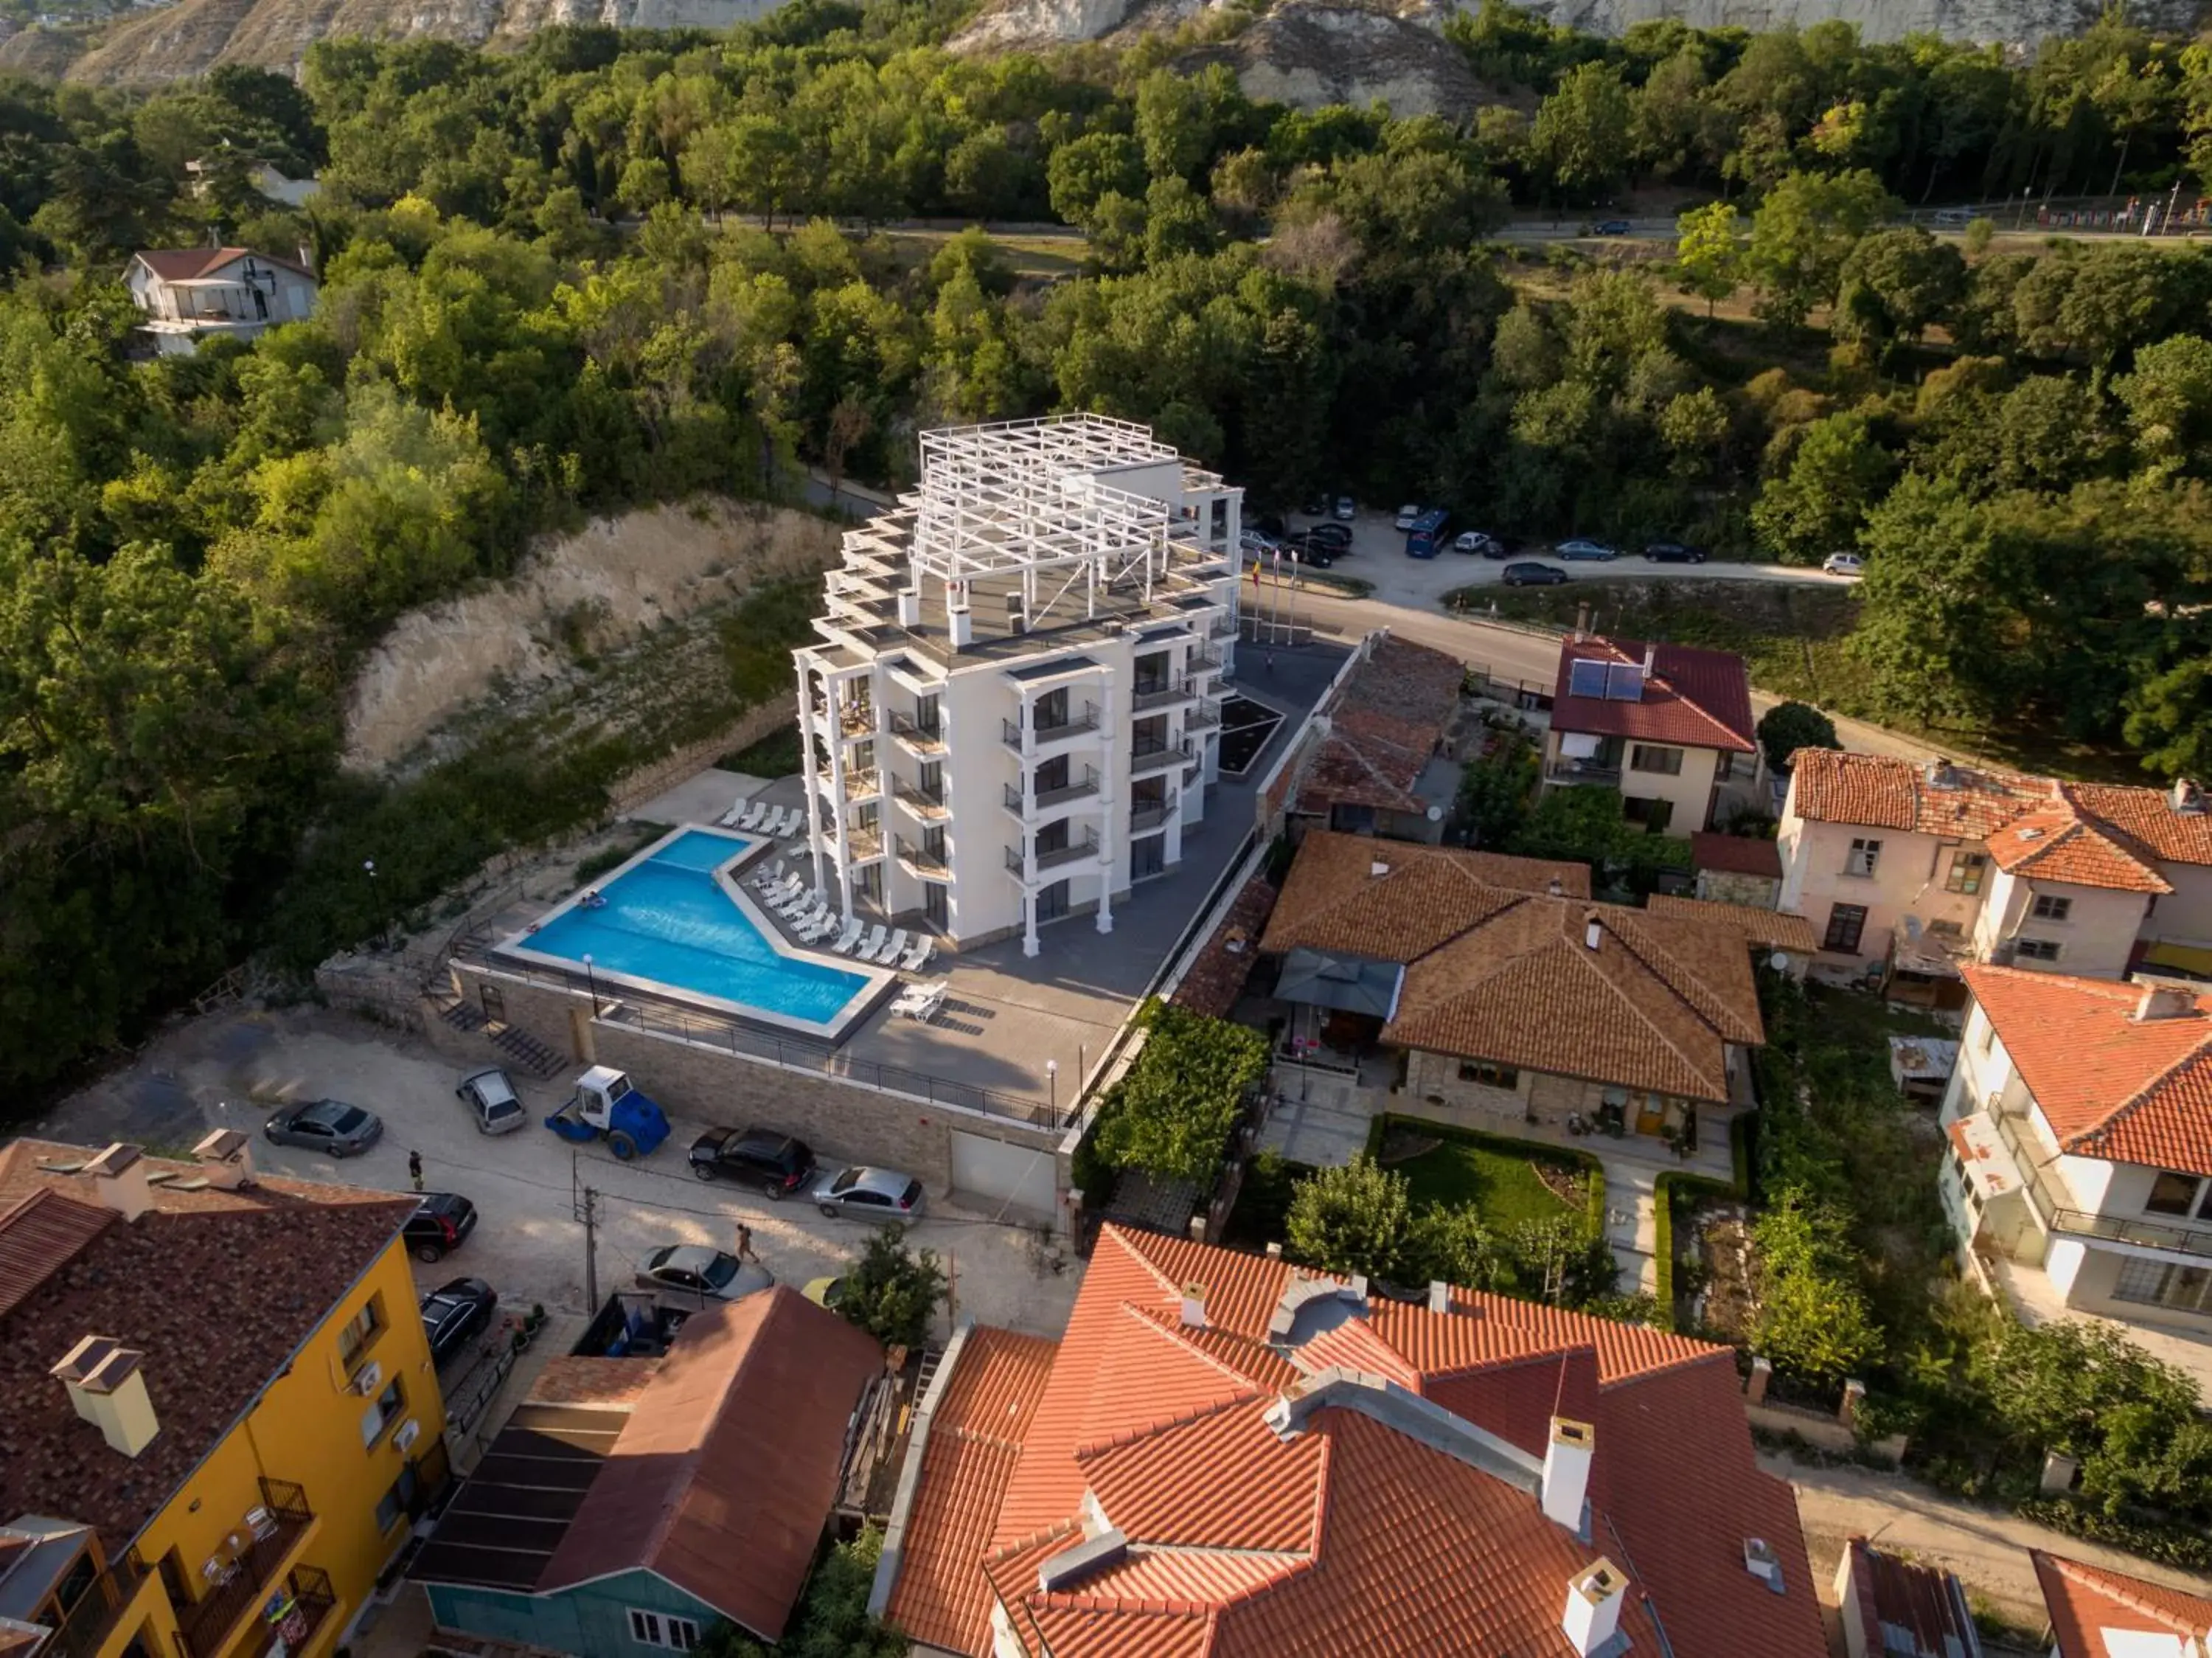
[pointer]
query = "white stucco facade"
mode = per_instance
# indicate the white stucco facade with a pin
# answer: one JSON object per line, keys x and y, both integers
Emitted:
{"x": 193, "y": 294}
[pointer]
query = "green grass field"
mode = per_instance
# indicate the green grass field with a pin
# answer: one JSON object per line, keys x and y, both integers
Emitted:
{"x": 1494, "y": 1177}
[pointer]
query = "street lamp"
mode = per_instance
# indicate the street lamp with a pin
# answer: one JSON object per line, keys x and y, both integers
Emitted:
{"x": 369, "y": 865}
{"x": 593, "y": 982}
{"x": 1052, "y": 1082}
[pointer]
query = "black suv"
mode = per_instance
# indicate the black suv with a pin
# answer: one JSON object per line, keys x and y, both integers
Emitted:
{"x": 454, "y": 1311}
{"x": 440, "y": 1221}
{"x": 1673, "y": 552}
{"x": 776, "y": 1163}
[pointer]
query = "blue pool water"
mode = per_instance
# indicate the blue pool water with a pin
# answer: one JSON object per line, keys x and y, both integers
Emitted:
{"x": 665, "y": 919}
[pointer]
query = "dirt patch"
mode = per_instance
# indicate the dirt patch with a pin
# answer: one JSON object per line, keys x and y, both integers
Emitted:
{"x": 1401, "y": 1145}
{"x": 1568, "y": 1187}
{"x": 581, "y": 596}
{"x": 1729, "y": 1303}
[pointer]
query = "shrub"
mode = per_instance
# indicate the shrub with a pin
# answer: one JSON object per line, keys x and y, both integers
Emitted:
{"x": 1788, "y": 727}
{"x": 891, "y": 1291}
{"x": 1355, "y": 1218}
{"x": 1172, "y": 1112}
{"x": 1813, "y": 1322}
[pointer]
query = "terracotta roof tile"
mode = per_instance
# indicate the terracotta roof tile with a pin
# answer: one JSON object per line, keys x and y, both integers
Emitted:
{"x": 1333, "y": 899}
{"x": 2056, "y": 843}
{"x": 2084, "y": 1600}
{"x": 190, "y": 263}
{"x": 1776, "y": 930}
{"x": 40, "y": 1235}
{"x": 218, "y": 1287}
{"x": 569, "y": 1380}
{"x": 1925, "y": 1602}
{"x": 1216, "y": 980}
{"x": 1878, "y": 791}
{"x": 2150, "y": 818}
{"x": 1384, "y": 726}
{"x": 1695, "y": 698}
{"x": 1735, "y": 855}
{"x": 2112, "y": 1086}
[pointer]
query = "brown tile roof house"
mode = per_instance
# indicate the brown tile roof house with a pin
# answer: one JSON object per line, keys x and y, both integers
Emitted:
{"x": 1226, "y": 1455}
{"x": 191, "y": 264}
{"x": 1768, "y": 929}
{"x": 218, "y": 1287}
{"x": 2112, "y": 1083}
{"x": 1891, "y": 1607}
{"x": 1385, "y": 725}
{"x": 2089, "y": 1603}
{"x": 1499, "y": 968}
{"x": 1686, "y": 697}
{"x": 1735, "y": 855}
{"x": 717, "y": 1469}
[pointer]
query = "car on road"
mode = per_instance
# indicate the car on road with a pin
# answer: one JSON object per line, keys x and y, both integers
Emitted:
{"x": 1268, "y": 523}
{"x": 1673, "y": 552}
{"x": 491, "y": 1095}
{"x": 1613, "y": 227}
{"x": 1345, "y": 509}
{"x": 870, "y": 1194}
{"x": 1409, "y": 514}
{"x": 693, "y": 1275}
{"x": 330, "y": 1126}
{"x": 1257, "y": 541}
{"x": 776, "y": 1163}
{"x": 440, "y": 1222}
{"x": 453, "y": 1312}
{"x": 1303, "y": 550}
{"x": 1530, "y": 574}
{"x": 1472, "y": 541}
{"x": 1844, "y": 563}
{"x": 1336, "y": 537}
{"x": 1580, "y": 549}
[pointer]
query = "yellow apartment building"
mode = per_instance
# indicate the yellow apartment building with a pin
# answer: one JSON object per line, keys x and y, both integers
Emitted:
{"x": 218, "y": 1412}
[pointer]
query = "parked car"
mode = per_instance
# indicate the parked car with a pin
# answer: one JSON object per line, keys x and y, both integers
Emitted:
{"x": 1531, "y": 575}
{"x": 1673, "y": 552}
{"x": 1316, "y": 508}
{"x": 1312, "y": 555}
{"x": 1256, "y": 541}
{"x": 776, "y": 1163}
{"x": 1844, "y": 563}
{"x": 1336, "y": 537}
{"x": 454, "y": 1311}
{"x": 870, "y": 1194}
{"x": 492, "y": 1096}
{"x": 1581, "y": 549}
{"x": 694, "y": 1274}
{"x": 1472, "y": 541}
{"x": 1409, "y": 514}
{"x": 1345, "y": 509}
{"x": 441, "y": 1220}
{"x": 327, "y": 1126}
{"x": 1613, "y": 227}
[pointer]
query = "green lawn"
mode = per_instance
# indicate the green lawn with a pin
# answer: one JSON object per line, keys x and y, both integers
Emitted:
{"x": 1462, "y": 1169}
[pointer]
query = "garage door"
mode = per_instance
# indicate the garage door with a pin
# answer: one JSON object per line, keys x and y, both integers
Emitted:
{"x": 1020, "y": 1176}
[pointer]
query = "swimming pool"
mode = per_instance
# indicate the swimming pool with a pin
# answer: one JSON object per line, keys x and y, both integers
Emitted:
{"x": 675, "y": 923}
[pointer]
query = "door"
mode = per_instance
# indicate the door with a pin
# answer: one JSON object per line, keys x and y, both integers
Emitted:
{"x": 1018, "y": 1176}
{"x": 934, "y": 906}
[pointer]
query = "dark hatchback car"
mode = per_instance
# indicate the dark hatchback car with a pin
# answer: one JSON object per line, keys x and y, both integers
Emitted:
{"x": 454, "y": 1312}
{"x": 439, "y": 1225}
{"x": 1332, "y": 535}
{"x": 1673, "y": 552}
{"x": 1532, "y": 576}
{"x": 776, "y": 1163}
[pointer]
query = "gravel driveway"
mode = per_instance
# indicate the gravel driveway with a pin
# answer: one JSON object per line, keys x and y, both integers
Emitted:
{"x": 229, "y": 1070}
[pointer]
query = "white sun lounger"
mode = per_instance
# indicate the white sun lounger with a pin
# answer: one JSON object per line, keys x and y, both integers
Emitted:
{"x": 873, "y": 942}
{"x": 728, "y": 820}
{"x": 848, "y": 937}
{"x": 918, "y": 957}
{"x": 753, "y": 815}
{"x": 894, "y": 946}
{"x": 781, "y": 825}
{"x": 823, "y": 924}
{"x": 923, "y": 1003}
{"x": 796, "y": 905}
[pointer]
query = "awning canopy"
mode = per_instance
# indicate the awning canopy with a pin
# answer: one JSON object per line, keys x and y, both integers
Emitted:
{"x": 2186, "y": 959}
{"x": 1349, "y": 983}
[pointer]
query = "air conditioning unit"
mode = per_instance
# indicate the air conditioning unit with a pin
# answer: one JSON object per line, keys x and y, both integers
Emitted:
{"x": 409, "y": 1431}
{"x": 368, "y": 1381}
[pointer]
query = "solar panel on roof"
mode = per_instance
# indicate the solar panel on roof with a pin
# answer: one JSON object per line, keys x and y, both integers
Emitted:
{"x": 1586, "y": 678}
{"x": 1624, "y": 682}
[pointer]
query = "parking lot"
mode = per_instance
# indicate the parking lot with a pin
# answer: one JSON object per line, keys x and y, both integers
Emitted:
{"x": 1379, "y": 556}
{"x": 230, "y": 1069}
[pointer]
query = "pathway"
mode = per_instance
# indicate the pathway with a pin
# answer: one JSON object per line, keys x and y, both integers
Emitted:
{"x": 1632, "y": 1221}
{"x": 1319, "y": 1118}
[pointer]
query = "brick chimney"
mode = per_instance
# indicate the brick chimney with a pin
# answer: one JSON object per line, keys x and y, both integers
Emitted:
{"x": 107, "y": 1385}
{"x": 226, "y": 1158}
{"x": 119, "y": 1176}
{"x": 1595, "y": 1595}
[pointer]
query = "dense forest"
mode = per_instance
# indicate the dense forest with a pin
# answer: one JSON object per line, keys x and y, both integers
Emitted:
{"x": 610, "y": 269}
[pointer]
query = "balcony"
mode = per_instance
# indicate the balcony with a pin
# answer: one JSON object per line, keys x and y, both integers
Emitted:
{"x": 1574, "y": 771}
{"x": 2174, "y": 1237}
{"x": 1149, "y": 694}
{"x": 1203, "y": 661}
{"x": 1077, "y": 789}
{"x": 312, "y": 1601}
{"x": 1074, "y": 851}
{"x": 1077, "y": 721}
{"x": 926, "y": 740}
{"x": 1150, "y": 815}
{"x": 86, "y": 1626}
{"x": 927, "y": 804}
{"x": 864, "y": 783}
{"x": 856, "y": 722}
{"x": 1157, "y": 756}
{"x": 1223, "y": 628}
{"x": 1204, "y": 718}
{"x": 920, "y": 859}
{"x": 862, "y": 845}
{"x": 206, "y": 1627}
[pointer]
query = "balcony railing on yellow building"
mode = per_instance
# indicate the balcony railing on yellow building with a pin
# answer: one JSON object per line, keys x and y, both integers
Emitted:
{"x": 86, "y": 1629}
{"x": 205, "y": 1627}
{"x": 308, "y": 1602}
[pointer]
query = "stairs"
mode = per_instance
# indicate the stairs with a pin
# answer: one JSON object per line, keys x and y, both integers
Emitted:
{"x": 527, "y": 1051}
{"x": 462, "y": 1015}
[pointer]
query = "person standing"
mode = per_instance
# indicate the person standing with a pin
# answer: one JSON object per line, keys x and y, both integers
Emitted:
{"x": 746, "y": 1250}
{"x": 415, "y": 1168}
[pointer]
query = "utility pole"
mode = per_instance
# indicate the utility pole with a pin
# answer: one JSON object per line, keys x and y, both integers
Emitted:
{"x": 952, "y": 1287}
{"x": 584, "y": 1201}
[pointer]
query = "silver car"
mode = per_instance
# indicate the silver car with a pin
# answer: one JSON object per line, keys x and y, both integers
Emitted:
{"x": 693, "y": 1275}
{"x": 870, "y": 1194}
{"x": 329, "y": 1126}
{"x": 491, "y": 1097}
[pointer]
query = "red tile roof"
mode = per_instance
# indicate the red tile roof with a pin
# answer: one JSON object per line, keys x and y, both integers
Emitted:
{"x": 218, "y": 1288}
{"x": 1695, "y": 698}
{"x": 1385, "y": 725}
{"x": 2056, "y": 843}
{"x": 725, "y": 1473}
{"x": 1926, "y": 1603}
{"x": 2085, "y": 1600}
{"x": 1216, "y": 980}
{"x": 2112, "y": 1086}
{"x": 191, "y": 264}
{"x": 1243, "y": 1535}
{"x": 1777, "y": 929}
{"x": 1735, "y": 855}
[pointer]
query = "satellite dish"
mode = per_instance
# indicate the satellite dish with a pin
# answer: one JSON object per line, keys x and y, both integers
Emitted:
{"x": 1436, "y": 814}
{"x": 1777, "y": 961}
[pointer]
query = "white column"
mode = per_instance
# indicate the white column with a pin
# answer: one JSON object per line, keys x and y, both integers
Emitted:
{"x": 1115, "y": 752}
{"x": 806, "y": 772}
{"x": 838, "y": 803}
{"x": 1029, "y": 917}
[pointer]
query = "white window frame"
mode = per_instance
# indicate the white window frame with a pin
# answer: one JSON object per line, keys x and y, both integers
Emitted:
{"x": 2046, "y": 907}
{"x": 1656, "y": 759}
{"x": 1864, "y": 859}
{"x": 663, "y": 1630}
{"x": 2035, "y": 949}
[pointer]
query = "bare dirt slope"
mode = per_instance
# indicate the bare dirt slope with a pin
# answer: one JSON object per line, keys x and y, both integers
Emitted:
{"x": 614, "y": 583}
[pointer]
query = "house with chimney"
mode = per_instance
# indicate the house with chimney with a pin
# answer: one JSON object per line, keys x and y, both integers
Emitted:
{"x": 1224, "y": 1455}
{"x": 193, "y": 294}
{"x": 218, "y": 1412}
{"x": 1892, "y": 1606}
{"x": 1668, "y": 726}
{"x": 1908, "y": 869}
{"x": 2098, "y": 1613}
{"x": 1377, "y": 757}
{"x": 2080, "y": 1120}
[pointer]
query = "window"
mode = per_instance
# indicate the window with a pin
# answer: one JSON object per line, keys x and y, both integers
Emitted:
{"x": 386, "y": 1405}
{"x": 397, "y": 1502}
{"x": 1724, "y": 768}
{"x": 1864, "y": 854}
{"x": 659, "y": 1629}
{"x": 1846, "y": 922}
{"x": 1647, "y": 757}
{"x": 2051, "y": 909}
{"x": 1051, "y": 710}
{"x": 2156, "y": 1283}
{"x": 1965, "y": 873}
{"x": 1148, "y": 856}
{"x": 359, "y": 1332}
{"x": 2035, "y": 949}
{"x": 1490, "y": 1075}
{"x": 2172, "y": 1194}
{"x": 936, "y": 906}
{"x": 1052, "y": 901}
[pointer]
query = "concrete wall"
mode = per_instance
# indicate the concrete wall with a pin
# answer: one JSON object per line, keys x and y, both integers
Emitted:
{"x": 1726, "y": 886}
{"x": 2094, "y": 941}
{"x": 1434, "y": 1090}
{"x": 1909, "y": 878}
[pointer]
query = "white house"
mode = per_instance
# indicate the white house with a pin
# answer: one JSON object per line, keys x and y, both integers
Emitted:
{"x": 192, "y": 294}
{"x": 1013, "y": 708}
{"x": 2082, "y": 1143}
{"x": 1668, "y": 726}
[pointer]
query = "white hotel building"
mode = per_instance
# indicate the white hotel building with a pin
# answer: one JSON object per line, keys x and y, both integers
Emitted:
{"x": 1013, "y": 711}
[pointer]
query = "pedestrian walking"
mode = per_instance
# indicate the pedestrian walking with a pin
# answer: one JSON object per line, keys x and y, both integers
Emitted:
{"x": 746, "y": 1250}
{"x": 1271, "y": 662}
{"x": 415, "y": 1168}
